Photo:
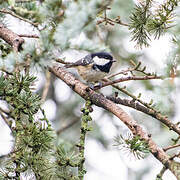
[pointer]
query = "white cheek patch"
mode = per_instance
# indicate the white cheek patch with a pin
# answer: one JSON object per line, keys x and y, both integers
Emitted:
{"x": 100, "y": 61}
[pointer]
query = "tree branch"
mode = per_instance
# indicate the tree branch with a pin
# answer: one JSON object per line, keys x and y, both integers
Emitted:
{"x": 28, "y": 36}
{"x": 99, "y": 100}
{"x": 5, "y": 11}
{"x": 151, "y": 112}
{"x": 171, "y": 147}
{"x": 128, "y": 78}
{"x": 11, "y": 38}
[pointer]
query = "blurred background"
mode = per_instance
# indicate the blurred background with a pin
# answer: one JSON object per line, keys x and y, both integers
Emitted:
{"x": 73, "y": 35}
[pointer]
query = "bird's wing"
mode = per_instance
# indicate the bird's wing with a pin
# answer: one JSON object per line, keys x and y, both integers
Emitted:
{"x": 82, "y": 62}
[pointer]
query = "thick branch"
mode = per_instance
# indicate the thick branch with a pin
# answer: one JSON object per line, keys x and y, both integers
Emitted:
{"x": 11, "y": 38}
{"x": 101, "y": 101}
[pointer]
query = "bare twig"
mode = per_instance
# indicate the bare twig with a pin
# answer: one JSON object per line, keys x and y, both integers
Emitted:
{"x": 129, "y": 78}
{"x": 117, "y": 21}
{"x": 112, "y": 22}
{"x": 28, "y": 36}
{"x": 135, "y": 68}
{"x": 171, "y": 147}
{"x": 67, "y": 126}
{"x": 5, "y": 11}
{"x": 151, "y": 112}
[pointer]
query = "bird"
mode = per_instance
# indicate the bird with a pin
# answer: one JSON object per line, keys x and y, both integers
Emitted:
{"x": 94, "y": 66}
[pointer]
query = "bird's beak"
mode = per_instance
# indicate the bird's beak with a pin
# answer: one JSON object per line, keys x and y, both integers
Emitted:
{"x": 113, "y": 60}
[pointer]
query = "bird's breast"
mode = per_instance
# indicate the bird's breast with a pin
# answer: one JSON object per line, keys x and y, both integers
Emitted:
{"x": 89, "y": 74}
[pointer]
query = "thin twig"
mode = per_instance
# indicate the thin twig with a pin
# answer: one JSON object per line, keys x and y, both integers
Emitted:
{"x": 117, "y": 21}
{"x": 121, "y": 72}
{"x": 5, "y": 11}
{"x": 28, "y": 36}
{"x": 135, "y": 68}
{"x": 175, "y": 155}
{"x": 67, "y": 126}
{"x": 62, "y": 61}
{"x": 129, "y": 78}
{"x": 171, "y": 147}
{"x": 111, "y": 21}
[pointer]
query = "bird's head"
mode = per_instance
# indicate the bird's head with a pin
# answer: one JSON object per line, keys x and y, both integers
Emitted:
{"x": 103, "y": 61}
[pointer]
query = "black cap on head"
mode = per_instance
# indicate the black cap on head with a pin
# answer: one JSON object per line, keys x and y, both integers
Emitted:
{"x": 104, "y": 55}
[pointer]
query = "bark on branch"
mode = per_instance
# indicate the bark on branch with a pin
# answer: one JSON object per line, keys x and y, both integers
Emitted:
{"x": 151, "y": 112}
{"x": 11, "y": 38}
{"x": 101, "y": 101}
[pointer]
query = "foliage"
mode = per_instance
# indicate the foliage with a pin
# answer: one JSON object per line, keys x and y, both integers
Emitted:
{"x": 67, "y": 26}
{"x": 145, "y": 23}
{"x": 134, "y": 145}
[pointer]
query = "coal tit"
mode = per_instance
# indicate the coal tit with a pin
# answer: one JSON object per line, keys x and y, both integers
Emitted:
{"x": 94, "y": 66}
